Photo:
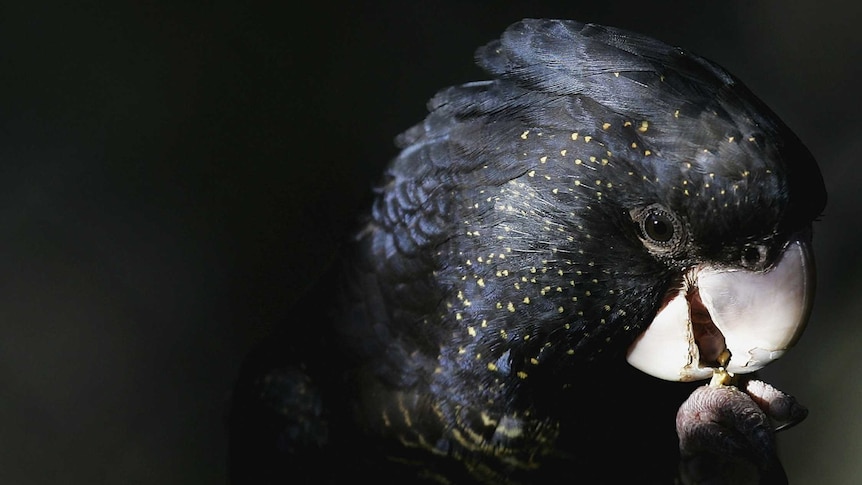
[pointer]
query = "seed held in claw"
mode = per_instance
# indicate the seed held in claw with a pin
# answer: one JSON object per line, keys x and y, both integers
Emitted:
{"x": 721, "y": 376}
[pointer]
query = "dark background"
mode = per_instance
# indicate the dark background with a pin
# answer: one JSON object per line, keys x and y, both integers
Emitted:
{"x": 172, "y": 177}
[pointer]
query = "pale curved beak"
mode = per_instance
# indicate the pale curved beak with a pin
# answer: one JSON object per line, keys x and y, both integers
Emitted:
{"x": 733, "y": 318}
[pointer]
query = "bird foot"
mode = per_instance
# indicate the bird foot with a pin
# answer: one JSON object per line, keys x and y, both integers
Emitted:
{"x": 727, "y": 431}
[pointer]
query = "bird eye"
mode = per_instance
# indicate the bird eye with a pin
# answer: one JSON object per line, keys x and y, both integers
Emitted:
{"x": 754, "y": 256}
{"x": 660, "y": 230}
{"x": 658, "y": 226}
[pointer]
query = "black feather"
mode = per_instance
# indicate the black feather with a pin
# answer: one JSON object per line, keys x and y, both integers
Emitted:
{"x": 490, "y": 295}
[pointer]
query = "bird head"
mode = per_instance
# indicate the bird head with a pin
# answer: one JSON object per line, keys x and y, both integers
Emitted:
{"x": 677, "y": 174}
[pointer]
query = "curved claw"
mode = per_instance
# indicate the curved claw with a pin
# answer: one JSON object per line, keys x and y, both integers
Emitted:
{"x": 783, "y": 410}
{"x": 727, "y": 435}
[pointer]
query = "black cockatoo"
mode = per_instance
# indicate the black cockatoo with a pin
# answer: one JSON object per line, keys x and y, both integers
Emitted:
{"x": 553, "y": 250}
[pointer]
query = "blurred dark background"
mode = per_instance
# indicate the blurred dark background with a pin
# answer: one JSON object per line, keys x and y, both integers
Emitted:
{"x": 172, "y": 177}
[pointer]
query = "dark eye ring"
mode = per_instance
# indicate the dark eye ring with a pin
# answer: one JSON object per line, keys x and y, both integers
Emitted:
{"x": 659, "y": 228}
{"x": 754, "y": 256}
